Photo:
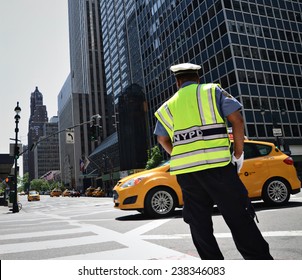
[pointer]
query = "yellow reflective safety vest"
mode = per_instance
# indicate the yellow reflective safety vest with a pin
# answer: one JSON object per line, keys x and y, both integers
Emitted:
{"x": 197, "y": 131}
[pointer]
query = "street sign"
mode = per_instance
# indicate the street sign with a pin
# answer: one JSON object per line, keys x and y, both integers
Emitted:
{"x": 70, "y": 136}
{"x": 277, "y": 132}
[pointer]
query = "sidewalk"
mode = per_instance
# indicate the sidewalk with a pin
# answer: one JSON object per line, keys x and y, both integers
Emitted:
{"x": 5, "y": 210}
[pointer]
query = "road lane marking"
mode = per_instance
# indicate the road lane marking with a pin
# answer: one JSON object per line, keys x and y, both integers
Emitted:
{"x": 222, "y": 235}
{"x": 41, "y": 233}
{"x": 49, "y": 244}
{"x": 147, "y": 227}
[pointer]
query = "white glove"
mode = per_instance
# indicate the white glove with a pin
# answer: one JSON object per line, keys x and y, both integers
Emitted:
{"x": 238, "y": 161}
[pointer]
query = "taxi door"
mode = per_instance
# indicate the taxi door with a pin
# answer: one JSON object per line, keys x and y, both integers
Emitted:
{"x": 254, "y": 171}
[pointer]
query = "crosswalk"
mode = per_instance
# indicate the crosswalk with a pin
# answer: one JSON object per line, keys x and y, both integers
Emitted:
{"x": 91, "y": 229}
{"x": 64, "y": 230}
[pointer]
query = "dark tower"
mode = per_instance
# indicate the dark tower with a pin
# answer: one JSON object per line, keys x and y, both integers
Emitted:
{"x": 38, "y": 116}
{"x": 132, "y": 132}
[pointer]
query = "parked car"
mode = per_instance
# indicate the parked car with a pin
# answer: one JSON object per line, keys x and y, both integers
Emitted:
{"x": 66, "y": 193}
{"x": 89, "y": 191}
{"x": 33, "y": 196}
{"x": 55, "y": 192}
{"x": 74, "y": 193}
{"x": 98, "y": 192}
{"x": 267, "y": 173}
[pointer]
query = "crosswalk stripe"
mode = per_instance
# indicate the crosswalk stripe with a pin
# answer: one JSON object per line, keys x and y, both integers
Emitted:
{"x": 41, "y": 233}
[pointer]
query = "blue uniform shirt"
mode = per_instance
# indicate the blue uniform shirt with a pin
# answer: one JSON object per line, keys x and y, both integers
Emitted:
{"x": 226, "y": 105}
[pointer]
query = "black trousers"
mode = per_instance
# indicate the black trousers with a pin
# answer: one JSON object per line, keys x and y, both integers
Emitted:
{"x": 221, "y": 186}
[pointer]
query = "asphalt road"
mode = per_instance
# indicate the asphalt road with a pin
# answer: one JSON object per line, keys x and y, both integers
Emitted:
{"x": 88, "y": 228}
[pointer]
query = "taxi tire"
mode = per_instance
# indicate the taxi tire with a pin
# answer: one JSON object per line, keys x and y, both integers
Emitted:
{"x": 273, "y": 188}
{"x": 155, "y": 198}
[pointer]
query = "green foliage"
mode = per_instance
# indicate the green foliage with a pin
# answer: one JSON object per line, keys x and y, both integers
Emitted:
{"x": 39, "y": 185}
{"x": 24, "y": 182}
{"x": 55, "y": 185}
{"x": 154, "y": 157}
{"x": 2, "y": 188}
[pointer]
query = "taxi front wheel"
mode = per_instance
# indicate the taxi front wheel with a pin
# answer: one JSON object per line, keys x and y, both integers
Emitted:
{"x": 276, "y": 192}
{"x": 160, "y": 202}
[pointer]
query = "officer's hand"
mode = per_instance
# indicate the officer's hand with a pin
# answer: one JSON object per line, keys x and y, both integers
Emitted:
{"x": 238, "y": 161}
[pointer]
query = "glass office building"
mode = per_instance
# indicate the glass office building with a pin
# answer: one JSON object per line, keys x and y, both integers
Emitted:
{"x": 124, "y": 81}
{"x": 252, "y": 48}
{"x": 116, "y": 18}
{"x": 85, "y": 94}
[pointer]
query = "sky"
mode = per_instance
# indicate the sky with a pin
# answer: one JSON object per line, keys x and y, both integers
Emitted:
{"x": 34, "y": 51}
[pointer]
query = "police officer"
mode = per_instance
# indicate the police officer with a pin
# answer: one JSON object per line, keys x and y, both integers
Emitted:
{"x": 191, "y": 127}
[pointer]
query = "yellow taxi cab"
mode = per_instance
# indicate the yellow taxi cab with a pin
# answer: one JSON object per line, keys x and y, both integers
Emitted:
{"x": 267, "y": 173}
{"x": 33, "y": 196}
{"x": 89, "y": 191}
{"x": 55, "y": 192}
{"x": 98, "y": 192}
{"x": 66, "y": 192}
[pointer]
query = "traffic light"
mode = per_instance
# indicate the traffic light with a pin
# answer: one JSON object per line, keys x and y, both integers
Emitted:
{"x": 94, "y": 130}
{"x": 9, "y": 180}
{"x": 94, "y": 133}
{"x": 17, "y": 151}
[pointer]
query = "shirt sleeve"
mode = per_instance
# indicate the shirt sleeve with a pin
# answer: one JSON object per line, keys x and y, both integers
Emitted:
{"x": 160, "y": 130}
{"x": 227, "y": 104}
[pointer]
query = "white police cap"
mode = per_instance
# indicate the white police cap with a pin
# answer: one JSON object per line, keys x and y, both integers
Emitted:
{"x": 185, "y": 68}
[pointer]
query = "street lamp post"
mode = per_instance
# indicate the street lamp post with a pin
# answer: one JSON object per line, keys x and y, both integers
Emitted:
{"x": 16, "y": 154}
{"x": 277, "y": 132}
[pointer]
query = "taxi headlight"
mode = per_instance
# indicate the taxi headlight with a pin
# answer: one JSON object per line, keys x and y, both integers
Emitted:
{"x": 132, "y": 182}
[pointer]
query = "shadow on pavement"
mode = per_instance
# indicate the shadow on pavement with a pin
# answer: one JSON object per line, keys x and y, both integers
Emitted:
{"x": 142, "y": 217}
{"x": 258, "y": 206}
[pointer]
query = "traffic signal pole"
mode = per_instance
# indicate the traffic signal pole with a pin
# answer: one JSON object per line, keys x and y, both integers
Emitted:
{"x": 91, "y": 121}
{"x": 16, "y": 155}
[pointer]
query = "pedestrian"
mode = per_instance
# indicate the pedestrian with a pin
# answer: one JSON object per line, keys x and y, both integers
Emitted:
{"x": 191, "y": 127}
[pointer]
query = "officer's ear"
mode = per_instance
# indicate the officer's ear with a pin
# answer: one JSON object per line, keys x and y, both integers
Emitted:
{"x": 178, "y": 83}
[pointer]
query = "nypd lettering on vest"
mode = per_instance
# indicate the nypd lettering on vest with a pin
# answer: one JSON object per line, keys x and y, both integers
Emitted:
{"x": 188, "y": 135}
{"x": 214, "y": 131}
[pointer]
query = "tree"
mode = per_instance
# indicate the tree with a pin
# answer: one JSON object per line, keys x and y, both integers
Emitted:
{"x": 37, "y": 184}
{"x": 2, "y": 188}
{"x": 24, "y": 182}
{"x": 154, "y": 157}
{"x": 55, "y": 185}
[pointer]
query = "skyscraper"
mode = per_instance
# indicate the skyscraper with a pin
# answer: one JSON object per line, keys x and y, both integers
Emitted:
{"x": 252, "y": 48}
{"x": 38, "y": 117}
{"x": 46, "y": 153}
{"x": 65, "y": 114}
{"x": 87, "y": 95}
{"x": 124, "y": 79}
{"x": 122, "y": 60}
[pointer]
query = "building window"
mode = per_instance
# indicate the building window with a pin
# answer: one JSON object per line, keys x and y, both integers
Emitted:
{"x": 246, "y": 102}
{"x": 298, "y": 105}
{"x": 251, "y": 77}
{"x": 295, "y": 130}
{"x": 261, "y": 130}
{"x": 251, "y": 130}
{"x": 227, "y": 4}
